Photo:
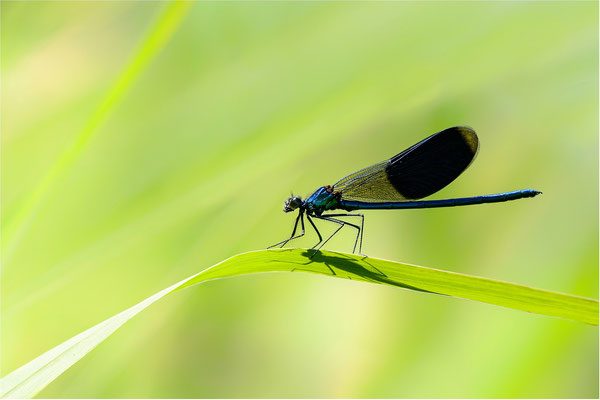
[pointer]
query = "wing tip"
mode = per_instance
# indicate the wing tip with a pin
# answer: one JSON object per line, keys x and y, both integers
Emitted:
{"x": 469, "y": 137}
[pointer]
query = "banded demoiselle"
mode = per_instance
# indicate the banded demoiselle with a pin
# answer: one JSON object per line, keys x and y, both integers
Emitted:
{"x": 397, "y": 183}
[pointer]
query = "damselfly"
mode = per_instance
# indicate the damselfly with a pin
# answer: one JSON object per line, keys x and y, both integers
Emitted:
{"x": 397, "y": 183}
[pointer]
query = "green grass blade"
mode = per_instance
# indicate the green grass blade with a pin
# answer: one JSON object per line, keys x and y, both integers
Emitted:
{"x": 28, "y": 380}
{"x": 158, "y": 35}
{"x": 408, "y": 276}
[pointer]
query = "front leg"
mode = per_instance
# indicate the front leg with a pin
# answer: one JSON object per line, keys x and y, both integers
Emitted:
{"x": 292, "y": 237}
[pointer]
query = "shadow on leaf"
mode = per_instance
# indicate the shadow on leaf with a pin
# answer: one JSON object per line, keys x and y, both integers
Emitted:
{"x": 351, "y": 268}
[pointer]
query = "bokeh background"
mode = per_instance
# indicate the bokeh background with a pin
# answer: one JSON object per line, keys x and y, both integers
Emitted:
{"x": 144, "y": 142}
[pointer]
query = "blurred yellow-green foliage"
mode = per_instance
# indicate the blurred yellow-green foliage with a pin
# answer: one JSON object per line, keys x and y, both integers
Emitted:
{"x": 143, "y": 142}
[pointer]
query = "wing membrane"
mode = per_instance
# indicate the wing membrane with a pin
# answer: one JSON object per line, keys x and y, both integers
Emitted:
{"x": 417, "y": 172}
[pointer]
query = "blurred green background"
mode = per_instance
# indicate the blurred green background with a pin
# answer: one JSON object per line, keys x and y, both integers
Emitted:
{"x": 144, "y": 142}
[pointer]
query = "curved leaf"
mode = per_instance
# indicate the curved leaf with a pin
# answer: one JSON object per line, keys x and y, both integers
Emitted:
{"x": 28, "y": 380}
{"x": 424, "y": 279}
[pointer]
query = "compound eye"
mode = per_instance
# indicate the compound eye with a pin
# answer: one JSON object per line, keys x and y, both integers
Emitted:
{"x": 292, "y": 203}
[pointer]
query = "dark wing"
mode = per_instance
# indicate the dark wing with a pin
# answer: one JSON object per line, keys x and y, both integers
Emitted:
{"x": 417, "y": 172}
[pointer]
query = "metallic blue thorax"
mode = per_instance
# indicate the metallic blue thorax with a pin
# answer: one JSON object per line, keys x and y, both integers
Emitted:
{"x": 322, "y": 200}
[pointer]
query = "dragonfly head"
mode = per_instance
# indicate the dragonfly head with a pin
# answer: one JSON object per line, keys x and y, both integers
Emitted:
{"x": 292, "y": 203}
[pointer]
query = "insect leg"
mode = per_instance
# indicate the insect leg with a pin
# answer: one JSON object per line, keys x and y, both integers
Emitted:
{"x": 292, "y": 237}
{"x": 359, "y": 234}
{"x": 316, "y": 230}
{"x": 337, "y": 221}
{"x": 359, "y": 229}
{"x": 321, "y": 239}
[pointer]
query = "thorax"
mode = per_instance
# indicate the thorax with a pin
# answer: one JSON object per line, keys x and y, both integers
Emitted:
{"x": 323, "y": 199}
